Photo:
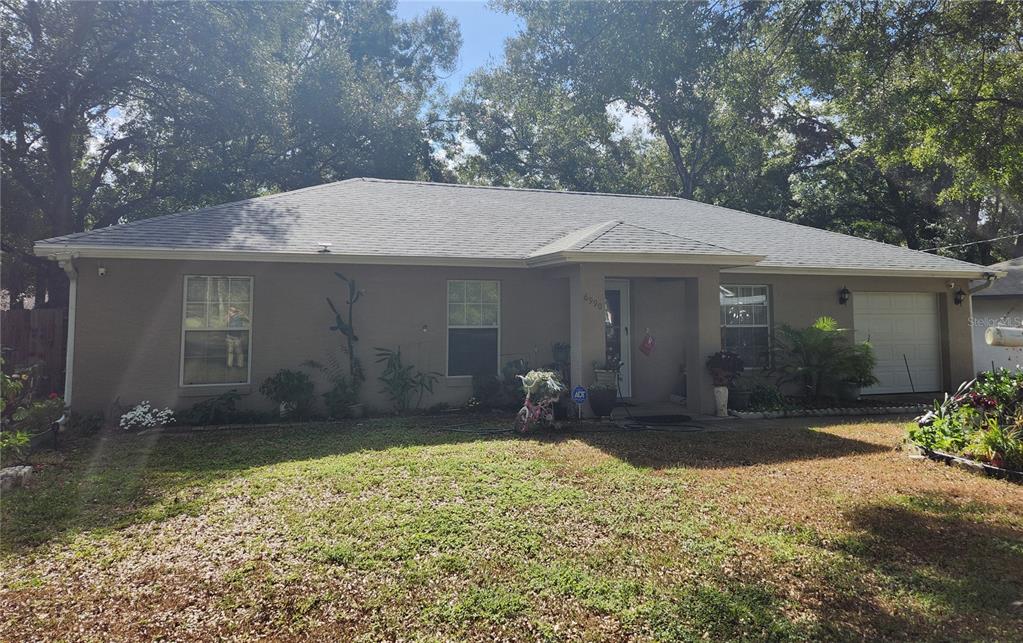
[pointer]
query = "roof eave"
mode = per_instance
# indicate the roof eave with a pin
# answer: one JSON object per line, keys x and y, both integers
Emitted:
{"x": 862, "y": 272}
{"x": 56, "y": 252}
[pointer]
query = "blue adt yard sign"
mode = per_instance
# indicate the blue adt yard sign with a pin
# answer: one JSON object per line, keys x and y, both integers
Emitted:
{"x": 579, "y": 395}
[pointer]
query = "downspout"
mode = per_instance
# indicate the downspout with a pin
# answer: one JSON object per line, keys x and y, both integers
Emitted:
{"x": 67, "y": 263}
{"x": 989, "y": 278}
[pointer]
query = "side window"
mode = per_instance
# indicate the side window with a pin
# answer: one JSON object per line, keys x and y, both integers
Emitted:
{"x": 216, "y": 330}
{"x": 746, "y": 323}
{"x": 474, "y": 326}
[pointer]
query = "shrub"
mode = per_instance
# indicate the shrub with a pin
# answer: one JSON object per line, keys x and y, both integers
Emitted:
{"x": 85, "y": 425}
{"x": 487, "y": 390}
{"x": 39, "y": 416}
{"x": 218, "y": 410}
{"x": 344, "y": 389}
{"x": 1002, "y": 446}
{"x": 22, "y": 418}
{"x": 145, "y": 416}
{"x": 402, "y": 383}
{"x": 343, "y": 394}
{"x": 765, "y": 397}
{"x": 821, "y": 358}
{"x": 14, "y": 444}
{"x": 292, "y": 391}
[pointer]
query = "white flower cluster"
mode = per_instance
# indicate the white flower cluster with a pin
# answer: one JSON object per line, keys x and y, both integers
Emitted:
{"x": 144, "y": 416}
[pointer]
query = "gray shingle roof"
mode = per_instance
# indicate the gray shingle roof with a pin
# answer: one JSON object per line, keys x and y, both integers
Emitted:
{"x": 1011, "y": 285}
{"x": 382, "y": 218}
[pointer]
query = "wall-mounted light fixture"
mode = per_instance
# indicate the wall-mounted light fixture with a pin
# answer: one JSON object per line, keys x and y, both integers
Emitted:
{"x": 960, "y": 297}
{"x": 101, "y": 271}
{"x": 843, "y": 296}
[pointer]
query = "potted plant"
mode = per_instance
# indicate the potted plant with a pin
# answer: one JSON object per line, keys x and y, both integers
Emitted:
{"x": 724, "y": 367}
{"x": 602, "y": 398}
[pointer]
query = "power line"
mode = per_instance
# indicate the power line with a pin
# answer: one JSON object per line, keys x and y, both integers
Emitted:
{"x": 973, "y": 243}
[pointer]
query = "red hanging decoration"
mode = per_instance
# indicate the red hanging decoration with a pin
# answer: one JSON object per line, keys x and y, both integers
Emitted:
{"x": 647, "y": 345}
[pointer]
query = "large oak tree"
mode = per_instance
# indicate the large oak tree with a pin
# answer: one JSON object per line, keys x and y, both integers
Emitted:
{"x": 114, "y": 111}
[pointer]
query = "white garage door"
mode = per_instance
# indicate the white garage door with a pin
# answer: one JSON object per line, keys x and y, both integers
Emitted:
{"x": 903, "y": 329}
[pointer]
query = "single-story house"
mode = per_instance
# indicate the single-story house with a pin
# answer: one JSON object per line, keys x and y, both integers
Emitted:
{"x": 182, "y": 307}
{"x": 999, "y": 305}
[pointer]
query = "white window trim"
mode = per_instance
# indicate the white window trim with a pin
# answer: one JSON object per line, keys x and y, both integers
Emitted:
{"x": 769, "y": 325}
{"x": 447, "y": 331}
{"x": 184, "y": 310}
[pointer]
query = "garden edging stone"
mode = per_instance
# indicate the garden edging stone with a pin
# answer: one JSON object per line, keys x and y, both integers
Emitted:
{"x": 972, "y": 466}
{"x": 793, "y": 413}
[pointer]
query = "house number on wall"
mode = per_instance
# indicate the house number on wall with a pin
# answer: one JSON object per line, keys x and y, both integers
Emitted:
{"x": 596, "y": 302}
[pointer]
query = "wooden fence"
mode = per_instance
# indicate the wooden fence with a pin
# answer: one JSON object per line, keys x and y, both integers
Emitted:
{"x": 36, "y": 336}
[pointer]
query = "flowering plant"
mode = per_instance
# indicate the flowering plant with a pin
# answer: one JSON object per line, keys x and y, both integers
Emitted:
{"x": 144, "y": 416}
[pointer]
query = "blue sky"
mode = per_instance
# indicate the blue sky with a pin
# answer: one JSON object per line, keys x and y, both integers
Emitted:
{"x": 483, "y": 33}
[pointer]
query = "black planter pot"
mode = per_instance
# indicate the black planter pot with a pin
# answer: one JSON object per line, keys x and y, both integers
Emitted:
{"x": 602, "y": 402}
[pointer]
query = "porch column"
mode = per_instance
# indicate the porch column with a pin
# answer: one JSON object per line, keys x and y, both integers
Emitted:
{"x": 703, "y": 337}
{"x": 586, "y": 317}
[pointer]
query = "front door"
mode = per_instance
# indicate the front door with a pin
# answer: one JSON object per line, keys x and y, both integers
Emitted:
{"x": 616, "y": 330}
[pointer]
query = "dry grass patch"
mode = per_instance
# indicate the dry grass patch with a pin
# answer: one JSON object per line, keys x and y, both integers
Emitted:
{"x": 394, "y": 529}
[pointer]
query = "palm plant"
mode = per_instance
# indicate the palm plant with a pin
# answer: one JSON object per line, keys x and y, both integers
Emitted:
{"x": 821, "y": 358}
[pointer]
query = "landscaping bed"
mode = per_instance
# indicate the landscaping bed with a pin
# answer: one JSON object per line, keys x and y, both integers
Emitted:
{"x": 981, "y": 426}
{"x": 826, "y": 411}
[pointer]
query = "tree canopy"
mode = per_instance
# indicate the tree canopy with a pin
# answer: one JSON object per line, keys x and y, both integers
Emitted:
{"x": 114, "y": 111}
{"x": 897, "y": 120}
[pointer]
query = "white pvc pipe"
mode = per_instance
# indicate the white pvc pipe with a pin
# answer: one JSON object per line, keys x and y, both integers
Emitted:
{"x": 69, "y": 358}
{"x": 1004, "y": 336}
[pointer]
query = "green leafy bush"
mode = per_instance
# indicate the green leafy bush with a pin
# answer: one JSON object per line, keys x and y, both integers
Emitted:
{"x": 764, "y": 396}
{"x": 292, "y": 391}
{"x": 345, "y": 387}
{"x": 214, "y": 411}
{"x": 487, "y": 390}
{"x": 403, "y": 383}
{"x": 822, "y": 358}
{"x": 85, "y": 424}
{"x": 983, "y": 421}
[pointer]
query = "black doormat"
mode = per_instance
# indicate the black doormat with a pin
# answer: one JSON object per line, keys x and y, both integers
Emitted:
{"x": 661, "y": 419}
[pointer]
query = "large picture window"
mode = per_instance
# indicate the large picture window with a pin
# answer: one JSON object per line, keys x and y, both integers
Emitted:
{"x": 216, "y": 330}
{"x": 474, "y": 326}
{"x": 746, "y": 323}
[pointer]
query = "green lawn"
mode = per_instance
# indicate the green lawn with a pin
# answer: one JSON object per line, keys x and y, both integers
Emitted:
{"x": 800, "y": 529}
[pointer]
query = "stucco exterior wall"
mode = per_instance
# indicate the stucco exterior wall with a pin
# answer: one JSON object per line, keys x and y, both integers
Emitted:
{"x": 996, "y": 311}
{"x": 128, "y": 339}
{"x": 798, "y": 300}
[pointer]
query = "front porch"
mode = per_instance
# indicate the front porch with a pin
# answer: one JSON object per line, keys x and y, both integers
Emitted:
{"x": 676, "y": 307}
